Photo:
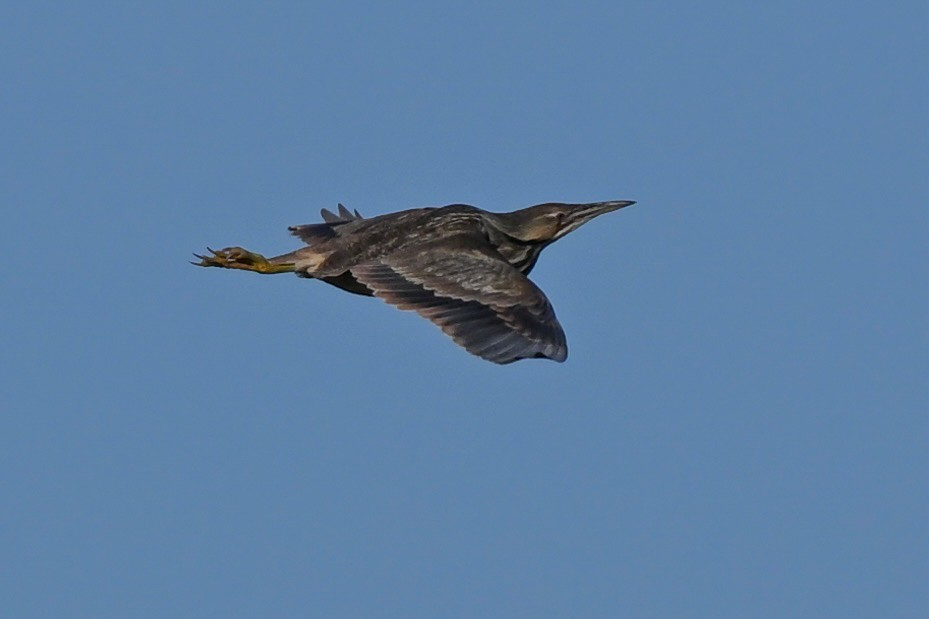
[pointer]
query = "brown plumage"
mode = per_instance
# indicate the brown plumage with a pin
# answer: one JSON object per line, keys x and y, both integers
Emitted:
{"x": 463, "y": 268}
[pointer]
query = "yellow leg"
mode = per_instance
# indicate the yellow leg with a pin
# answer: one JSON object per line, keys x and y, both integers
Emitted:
{"x": 242, "y": 259}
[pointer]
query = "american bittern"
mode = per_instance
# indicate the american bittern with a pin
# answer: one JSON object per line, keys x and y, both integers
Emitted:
{"x": 461, "y": 267}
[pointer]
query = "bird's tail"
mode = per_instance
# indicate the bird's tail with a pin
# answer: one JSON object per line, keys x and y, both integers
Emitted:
{"x": 317, "y": 233}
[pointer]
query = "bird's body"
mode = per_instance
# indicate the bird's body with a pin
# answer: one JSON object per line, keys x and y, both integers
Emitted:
{"x": 461, "y": 267}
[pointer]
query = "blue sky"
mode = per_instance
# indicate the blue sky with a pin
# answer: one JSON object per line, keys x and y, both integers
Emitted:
{"x": 740, "y": 429}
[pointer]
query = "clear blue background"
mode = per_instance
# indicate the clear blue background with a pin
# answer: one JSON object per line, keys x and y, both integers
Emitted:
{"x": 740, "y": 429}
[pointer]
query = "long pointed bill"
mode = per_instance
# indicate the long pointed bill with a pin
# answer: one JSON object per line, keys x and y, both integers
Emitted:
{"x": 582, "y": 213}
{"x": 589, "y": 211}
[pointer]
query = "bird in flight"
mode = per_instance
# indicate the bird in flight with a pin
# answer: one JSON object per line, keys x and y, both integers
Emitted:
{"x": 461, "y": 267}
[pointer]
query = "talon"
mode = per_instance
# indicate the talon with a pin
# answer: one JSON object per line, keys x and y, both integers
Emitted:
{"x": 216, "y": 260}
{"x": 234, "y": 258}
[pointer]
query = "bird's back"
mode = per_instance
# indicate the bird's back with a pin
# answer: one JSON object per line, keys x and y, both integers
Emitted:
{"x": 361, "y": 240}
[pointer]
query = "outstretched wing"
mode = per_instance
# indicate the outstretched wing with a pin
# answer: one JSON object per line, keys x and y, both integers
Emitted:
{"x": 477, "y": 298}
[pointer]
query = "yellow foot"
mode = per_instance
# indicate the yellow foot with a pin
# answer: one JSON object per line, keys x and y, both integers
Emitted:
{"x": 238, "y": 258}
{"x": 235, "y": 258}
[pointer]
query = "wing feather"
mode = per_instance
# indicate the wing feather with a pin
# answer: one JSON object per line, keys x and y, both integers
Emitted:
{"x": 482, "y": 302}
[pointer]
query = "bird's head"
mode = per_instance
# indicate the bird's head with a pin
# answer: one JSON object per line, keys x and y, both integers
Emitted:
{"x": 545, "y": 223}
